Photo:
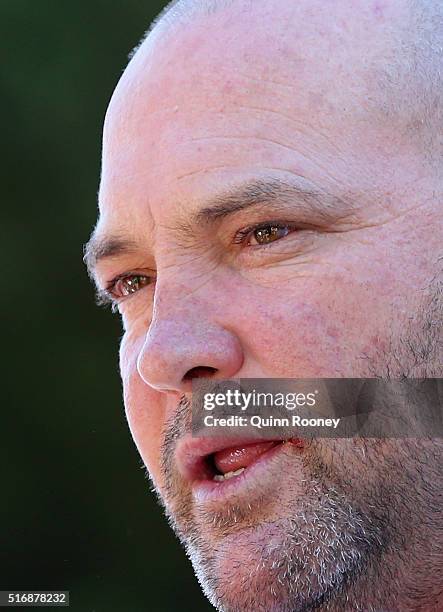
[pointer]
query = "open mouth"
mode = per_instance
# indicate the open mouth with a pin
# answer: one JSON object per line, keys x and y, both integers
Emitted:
{"x": 215, "y": 461}
{"x": 231, "y": 462}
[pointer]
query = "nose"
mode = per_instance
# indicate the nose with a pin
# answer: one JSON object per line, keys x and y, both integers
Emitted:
{"x": 186, "y": 343}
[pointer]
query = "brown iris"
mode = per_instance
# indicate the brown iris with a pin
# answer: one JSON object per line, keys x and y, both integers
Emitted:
{"x": 269, "y": 233}
{"x": 130, "y": 284}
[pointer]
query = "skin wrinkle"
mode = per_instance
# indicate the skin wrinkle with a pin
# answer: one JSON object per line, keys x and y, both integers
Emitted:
{"x": 345, "y": 525}
{"x": 262, "y": 169}
{"x": 302, "y": 127}
{"x": 203, "y": 170}
{"x": 218, "y": 137}
{"x": 299, "y": 123}
{"x": 322, "y": 167}
{"x": 198, "y": 287}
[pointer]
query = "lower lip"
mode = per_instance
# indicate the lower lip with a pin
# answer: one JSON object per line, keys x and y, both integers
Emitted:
{"x": 206, "y": 491}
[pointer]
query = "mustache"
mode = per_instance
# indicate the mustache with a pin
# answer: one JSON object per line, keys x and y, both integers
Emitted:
{"x": 177, "y": 426}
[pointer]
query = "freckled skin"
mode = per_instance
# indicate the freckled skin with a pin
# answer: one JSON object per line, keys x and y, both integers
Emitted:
{"x": 216, "y": 103}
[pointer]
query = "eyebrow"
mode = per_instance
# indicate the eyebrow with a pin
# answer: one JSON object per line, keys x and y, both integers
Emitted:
{"x": 298, "y": 193}
{"x": 99, "y": 248}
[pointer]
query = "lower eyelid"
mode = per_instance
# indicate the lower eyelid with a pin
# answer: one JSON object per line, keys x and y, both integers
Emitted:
{"x": 133, "y": 308}
{"x": 128, "y": 301}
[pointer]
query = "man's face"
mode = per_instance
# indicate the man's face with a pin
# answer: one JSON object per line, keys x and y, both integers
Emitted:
{"x": 263, "y": 219}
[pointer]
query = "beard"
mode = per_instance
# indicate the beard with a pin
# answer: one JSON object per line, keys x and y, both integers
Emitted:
{"x": 353, "y": 529}
{"x": 364, "y": 505}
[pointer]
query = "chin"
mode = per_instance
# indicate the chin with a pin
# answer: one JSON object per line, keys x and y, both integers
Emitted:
{"x": 269, "y": 568}
{"x": 245, "y": 571}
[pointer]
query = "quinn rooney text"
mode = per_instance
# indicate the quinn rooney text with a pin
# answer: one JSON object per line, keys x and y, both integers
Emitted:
{"x": 261, "y": 422}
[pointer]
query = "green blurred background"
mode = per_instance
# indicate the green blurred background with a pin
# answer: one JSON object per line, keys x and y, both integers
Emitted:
{"x": 76, "y": 511}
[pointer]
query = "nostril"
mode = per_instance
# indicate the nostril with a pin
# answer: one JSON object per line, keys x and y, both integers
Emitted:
{"x": 200, "y": 372}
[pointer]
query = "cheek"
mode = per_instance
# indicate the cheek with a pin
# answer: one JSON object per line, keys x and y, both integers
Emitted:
{"x": 144, "y": 409}
{"x": 316, "y": 328}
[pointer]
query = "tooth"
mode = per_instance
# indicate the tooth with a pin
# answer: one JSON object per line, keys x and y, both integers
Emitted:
{"x": 228, "y": 475}
{"x": 239, "y": 471}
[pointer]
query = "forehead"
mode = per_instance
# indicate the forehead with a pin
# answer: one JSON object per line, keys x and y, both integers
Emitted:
{"x": 203, "y": 105}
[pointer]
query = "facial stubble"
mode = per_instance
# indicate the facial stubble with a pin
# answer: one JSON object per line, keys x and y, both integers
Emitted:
{"x": 367, "y": 510}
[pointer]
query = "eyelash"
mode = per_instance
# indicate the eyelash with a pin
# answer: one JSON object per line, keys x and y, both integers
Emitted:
{"x": 105, "y": 297}
{"x": 241, "y": 236}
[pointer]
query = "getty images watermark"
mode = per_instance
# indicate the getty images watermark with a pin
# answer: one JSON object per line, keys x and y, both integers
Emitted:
{"x": 237, "y": 399}
{"x": 344, "y": 407}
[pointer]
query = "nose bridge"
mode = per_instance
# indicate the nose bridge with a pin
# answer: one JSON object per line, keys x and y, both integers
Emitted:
{"x": 177, "y": 303}
{"x": 189, "y": 289}
{"x": 172, "y": 321}
{"x": 187, "y": 333}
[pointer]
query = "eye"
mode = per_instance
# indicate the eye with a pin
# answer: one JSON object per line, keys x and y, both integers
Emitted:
{"x": 267, "y": 233}
{"x": 263, "y": 234}
{"x": 127, "y": 285}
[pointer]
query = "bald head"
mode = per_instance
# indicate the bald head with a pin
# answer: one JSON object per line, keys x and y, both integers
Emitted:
{"x": 407, "y": 78}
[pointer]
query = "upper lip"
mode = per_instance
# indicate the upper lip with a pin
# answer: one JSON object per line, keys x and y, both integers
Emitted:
{"x": 191, "y": 453}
